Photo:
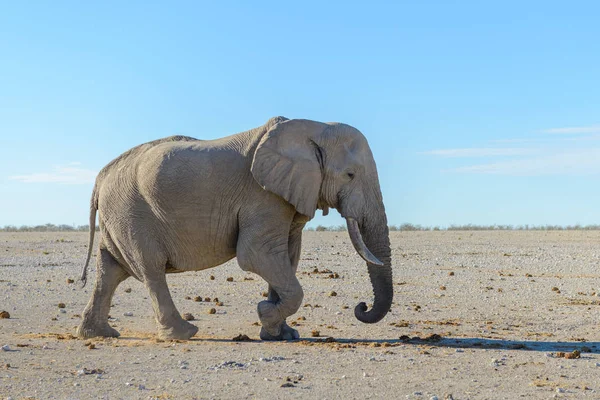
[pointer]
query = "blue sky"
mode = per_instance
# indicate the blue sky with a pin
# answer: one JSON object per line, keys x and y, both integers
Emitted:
{"x": 476, "y": 112}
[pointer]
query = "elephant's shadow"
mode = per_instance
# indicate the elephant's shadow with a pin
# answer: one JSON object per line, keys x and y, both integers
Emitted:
{"x": 480, "y": 343}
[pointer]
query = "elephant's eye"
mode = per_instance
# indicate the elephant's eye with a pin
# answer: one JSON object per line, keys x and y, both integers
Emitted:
{"x": 350, "y": 175}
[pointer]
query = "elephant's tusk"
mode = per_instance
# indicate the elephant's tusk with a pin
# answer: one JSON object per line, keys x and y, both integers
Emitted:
{"x": 359, "y": 244}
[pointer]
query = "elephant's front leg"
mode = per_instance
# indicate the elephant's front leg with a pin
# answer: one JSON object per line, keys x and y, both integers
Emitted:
{"x": 287, "y": 332}
{"x": 285, "y": 293}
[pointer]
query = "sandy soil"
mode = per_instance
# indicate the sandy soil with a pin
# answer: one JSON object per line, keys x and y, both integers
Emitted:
{"x": 477, "y": 315}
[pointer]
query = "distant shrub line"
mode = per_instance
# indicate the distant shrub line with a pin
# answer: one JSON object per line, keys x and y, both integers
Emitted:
{"x": 469, "y": 227}
{"x": 341, "y": 228}
{"x": 46, "y": 228}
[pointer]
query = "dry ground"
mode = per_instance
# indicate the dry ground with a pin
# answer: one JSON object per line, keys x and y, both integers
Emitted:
{"x": 482, "y": 315}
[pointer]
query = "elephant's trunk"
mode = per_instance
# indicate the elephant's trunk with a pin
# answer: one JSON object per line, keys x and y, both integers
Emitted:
{"x": 376, "y": 250}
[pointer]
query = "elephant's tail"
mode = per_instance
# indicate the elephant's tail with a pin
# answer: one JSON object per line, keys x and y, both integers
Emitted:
{"x": 93, "y": 208}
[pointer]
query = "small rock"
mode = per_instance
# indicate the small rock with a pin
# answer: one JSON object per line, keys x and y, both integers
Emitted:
{"x": 128, "y": 290}
{"x": 220, "y": 304}
{"x": 333, "y": 294}
{"x": 69, "y": 281}
{"x": 212, "y": 311}
{"x": 207, "y": 299}
{"x": 77, "y": 384}
{"x": 128, "y": 314}
{"x": 598, "y": 364}
{"x": 264, "y": 294}
{"x": 241, "y": 338}
{"x": 61, "y": 305}
{"x": 198, "y": 298}
{"x": 417, "y": 393}
{"x": 451, "y": 273}
{"x": 315, "y": 333}
{"x": 212, "y": 277}
{"x": 4, "y": 315}
{"x": 188, "y": 317}
{"x": 575, "y": 354}
{"x": 433, "y": 398}
{"x": 141, "y": 387}
{"x": 6, "y": 348}
{"x": 287, "y": 385}
{"x": 63, "y": 311}
{"x": 560, "y": 390}
{"x": 230, "y": 279}
{"x": 91, "y": 346}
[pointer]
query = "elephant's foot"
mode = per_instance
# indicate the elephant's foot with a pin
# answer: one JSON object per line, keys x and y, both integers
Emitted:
{"x": 182, "y": 330}
{"x": 273, "y": 324}
{"x": 285, "y": 333}
{"x": 87, "y": 330}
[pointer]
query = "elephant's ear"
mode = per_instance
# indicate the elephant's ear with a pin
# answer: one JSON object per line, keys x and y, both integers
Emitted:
{"x": 287, "y": 162}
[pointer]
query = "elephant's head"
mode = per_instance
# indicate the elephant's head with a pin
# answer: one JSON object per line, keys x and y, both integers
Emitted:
{"x": 316, "y": 165}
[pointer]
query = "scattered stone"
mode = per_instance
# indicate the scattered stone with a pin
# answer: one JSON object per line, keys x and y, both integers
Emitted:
{"x": 442, "y": 287}
{"x": 69, "y": 281}
{"x": 187, "y": 298}
{"x": 264, "y": 294}
{"x": 332, "y": 294}
{"x": 128, "y": 290}
{"x": 248, "y": 278}
{"x": 241, "y": 338}
{"x": 188, "y": 317}
{"x": 560, "y": 390}
{"x": 230, "y": 279}
{"x": 555, "y": 289}
{"x": 216, "y": 299}
{"x": 451, "y": 273}
{"x": 128, "y": 314}
{"x": 220, "y": 304}
{"x": 212, "y": 277}
{"x": 61, "y": 305}
{"x": 212, "y": 311}
{"x": 573, "y": 355}
{"x": 303, "y": 318}
{"x": 4, "y": 315}
{"x": 287, "y": 385}
{"x": 5, "y": 347}
{"x": 198, "y": 298}
{"x": 229, "y": 365}
{"x": 315, "y": 333}
{"x": 207, "y": 299}
{"x": 85, "y": 371}
{"x": 91, "y": 346}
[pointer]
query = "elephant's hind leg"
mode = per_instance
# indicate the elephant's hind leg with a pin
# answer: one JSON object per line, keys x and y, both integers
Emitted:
{"x": 170, "y": 323}
{"x": 95, "y": 316}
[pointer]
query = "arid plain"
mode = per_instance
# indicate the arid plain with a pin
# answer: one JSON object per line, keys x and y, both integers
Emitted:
{"x": 476, "y": 315}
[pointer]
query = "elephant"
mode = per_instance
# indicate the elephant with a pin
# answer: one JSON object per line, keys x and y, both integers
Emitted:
{"x": 181, "y": 204}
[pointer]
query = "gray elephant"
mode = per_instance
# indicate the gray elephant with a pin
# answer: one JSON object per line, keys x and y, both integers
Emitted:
{"x": 181, "y": 204}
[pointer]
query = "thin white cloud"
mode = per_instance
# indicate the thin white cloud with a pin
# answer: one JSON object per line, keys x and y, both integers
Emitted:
{"x": 70, "y": 175}
{"x": 481, "y": 152}
{"x": 573, "y": 130}
{"x": 570, "y": 162}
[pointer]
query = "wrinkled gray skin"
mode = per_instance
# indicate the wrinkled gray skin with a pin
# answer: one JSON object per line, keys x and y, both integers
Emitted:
{"x": 180, "y": 204}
